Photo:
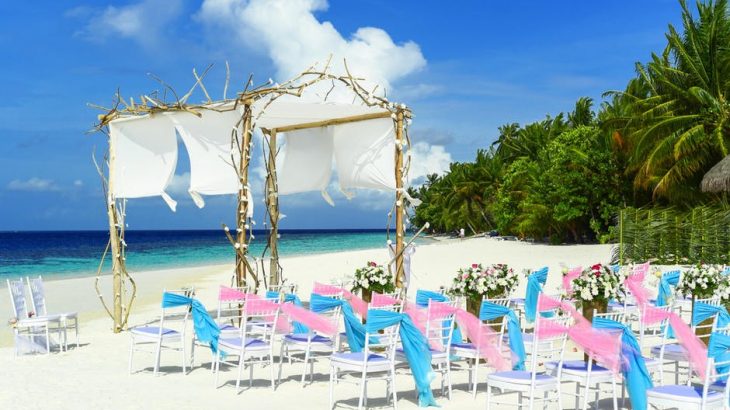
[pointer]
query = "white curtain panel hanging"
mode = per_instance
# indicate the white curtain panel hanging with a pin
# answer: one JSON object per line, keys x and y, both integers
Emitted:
{"x": 208, "y": 142}
{"x": 365, "y": 154}
{"x": 145, "y": 151}
{"x": 306, "y": 161}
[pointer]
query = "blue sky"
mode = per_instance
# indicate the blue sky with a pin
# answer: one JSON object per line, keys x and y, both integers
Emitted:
{"x": 484, "y": 64}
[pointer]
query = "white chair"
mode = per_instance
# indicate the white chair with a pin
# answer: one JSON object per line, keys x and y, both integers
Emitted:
{"x": 311, "y": 345}
{"x": 590, "y": 375}
{"x": 702, "y": 397}
{"x": 438, "y": 334}
{"x": 536, "y": 384}
{"x": 161, "y": 336}
{"x": 374, "y": 363}
{"x": 32, "y": 331}
{"x": 69, "y": 320}
{"x": 251, "y": 350}
{"x": 471, "y": 352}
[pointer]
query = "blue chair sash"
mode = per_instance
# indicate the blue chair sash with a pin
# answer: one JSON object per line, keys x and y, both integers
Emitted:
{"x": 702, "y": 311}
{"x": 535, "y": 283}
{"x": 290, "y": 298}
{"x": 354, "y": 330}
{"x": 491, "y": 311}
{"x": 415, "y": 348}
{"x": 422, "y": 298}
{"x": 633, "y": 366}
{"x": 718, "y": 350}
{"x": 668, "y": 280}
{"x": 205, "y": 327}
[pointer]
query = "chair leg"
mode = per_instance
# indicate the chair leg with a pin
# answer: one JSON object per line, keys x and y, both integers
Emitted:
{"x": 362, "y": 390}
{"x": 76, "y": 330}
{"x": 392, "y": 384}
{"x": 475, "y": 382}
{"x": 48, "y": 341}
{"x": 489, "y": 395}
{"x": 157, "y": 357}
{"x": 131, "y": 352}
{"x": 448, "y": 377}
{"x": 271, "y": 366}
{"x": 281, "y": 363}
{"x": 215, "y": 366}
{"x": 240, "y": 369}
{"x": 183, "y": 358}
{"x": 306, "y": 364}
{"x": 615, "y": 396}
{"x": 250, "y": 375}
{"x": 332, "y": 386}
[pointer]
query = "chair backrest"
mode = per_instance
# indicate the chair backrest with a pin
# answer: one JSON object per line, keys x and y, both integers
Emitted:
{"x": 17, "y": 298}
{"x": 383, "y": 343}
{"x": 231, "y": 308}
{"x": 616, "y": 316}
{"x": 439, "y": 330}
{"x": 551, "y": 348}
{"x": 705, "y": 328}
{"x": 500, "y": 325}
{"x": 37, "y": 295}
{"x": 286, "y": 288}
{"x": 264, "y": 315}
{"x": 654, "y": 330}
{"x": 175, "y": 314}
{"x": 334, "y": 315}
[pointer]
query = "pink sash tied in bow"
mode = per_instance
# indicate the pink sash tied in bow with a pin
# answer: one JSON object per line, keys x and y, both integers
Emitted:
{"x": 602, "y": 345}
{"x": 696, "y": 350}
{"x": 570, "y": 276}
{"x": 380, "y": 300}
{"x": 291, "y": 311}
{"x": 226, "y": 294}
{"x": 358, "y": 305}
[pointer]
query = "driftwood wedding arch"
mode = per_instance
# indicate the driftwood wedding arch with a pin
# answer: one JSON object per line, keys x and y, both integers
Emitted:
{"x": 296, "y": 108}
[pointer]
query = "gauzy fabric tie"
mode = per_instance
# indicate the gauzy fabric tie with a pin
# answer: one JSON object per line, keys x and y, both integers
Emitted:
{"x": 718, "y": 350}
{"x": 356, "y": 302}
{"x": 668, "y": 280}
{"x": 226, "y": 294}
{"x": 570, "y": 276}
{"x": 535, "y": 282}
{"x": 603, "y": 346}
{"x": 290, "y": 298}
{"x": 354, "y": 330}
{"x": 702, "y": 311}
{"x": 633, "y": 366}
{"x": 685, "y": 336}
{"x": 205, "y": 327}
{"x": 492, "y": 311}
{"x": 308, "y": 318}
{"x": 424, "y": 296}
{"x": 415, "y": 348}
{"x": 380, "y": 300}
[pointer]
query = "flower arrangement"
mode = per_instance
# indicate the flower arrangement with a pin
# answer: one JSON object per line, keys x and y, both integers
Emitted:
{"x": 477, "y": 282}
{"x": 598, "y": 283}
{"x": 373, "y": 278}
{"x": 704, "y": 281}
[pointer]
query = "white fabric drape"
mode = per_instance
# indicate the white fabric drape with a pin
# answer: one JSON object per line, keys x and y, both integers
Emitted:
{"x": 306, "y": 163}
{"x": 208, "y": 142}
{"x": 365, "y": 154}
{"x": 145, "y": 155}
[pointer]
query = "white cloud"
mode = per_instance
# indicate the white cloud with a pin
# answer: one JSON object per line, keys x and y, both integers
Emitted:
{"x": 427, "y": 159}
{"x": 293, "y": 37}
{"x": 178, "y": 186}
{"x": 143, "y": 22}
{"x": 34, "y": 184}
{"x": 78, "y": 183}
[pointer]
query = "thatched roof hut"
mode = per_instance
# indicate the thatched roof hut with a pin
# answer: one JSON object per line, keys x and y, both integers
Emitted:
{"x": 718, "y": 178}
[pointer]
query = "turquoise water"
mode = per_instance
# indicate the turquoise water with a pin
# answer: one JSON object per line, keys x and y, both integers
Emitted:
{"x": 77, "y": 253}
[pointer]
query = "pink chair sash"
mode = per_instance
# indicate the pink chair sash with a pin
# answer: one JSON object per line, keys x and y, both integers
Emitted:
{"x": 380, "y": 300}
{"x": 358, "y": 305}
{"x": 696, "y": 350}
{"x": 602, "y": 345}
{"x": 226, "y": 294}
{"x": 570, "y": 276}
{"x": 255, "y": 304}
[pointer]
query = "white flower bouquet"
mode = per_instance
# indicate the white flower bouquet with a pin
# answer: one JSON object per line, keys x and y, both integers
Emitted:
{"x": 704, "y": 281}
{"x": 598, "y": 283}
{"x": 477, "y": 282}
{"x": 373, "y": 278}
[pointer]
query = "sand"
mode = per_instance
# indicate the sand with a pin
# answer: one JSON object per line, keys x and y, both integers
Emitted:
{"x": 95, "y": 375}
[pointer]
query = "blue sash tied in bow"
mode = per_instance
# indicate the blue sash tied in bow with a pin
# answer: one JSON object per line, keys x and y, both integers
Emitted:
{"x": 491, "y": 311}
{"x": 205, "y": 327}
{"x": 354, "y": 330}
{"x": 633, "y": 366}
{"x": 718, "y": 350}
{"x": 702, "y": 311}
{"x": 535, "y": 283}
{"x": 668, "y": 280}
{"x": 415, "y": 348}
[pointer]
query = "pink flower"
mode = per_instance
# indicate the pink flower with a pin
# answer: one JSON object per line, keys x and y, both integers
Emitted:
{"x": 373, "y": 264}
{"x": 474, "y": 265}
{"x": 465, "y": 275}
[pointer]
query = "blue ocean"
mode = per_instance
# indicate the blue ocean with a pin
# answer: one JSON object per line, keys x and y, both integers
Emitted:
{"x": 58, "y": 254}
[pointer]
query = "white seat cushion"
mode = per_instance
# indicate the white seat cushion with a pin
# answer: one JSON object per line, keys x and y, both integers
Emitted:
{"x": 237, "y": 343}
{"x": 671, "y": 352}
{"x": 303, "y": 337}
{"x": 352, "y": 361}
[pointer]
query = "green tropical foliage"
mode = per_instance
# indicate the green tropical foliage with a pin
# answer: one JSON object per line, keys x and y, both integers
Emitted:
{"x": 567, "y": 177}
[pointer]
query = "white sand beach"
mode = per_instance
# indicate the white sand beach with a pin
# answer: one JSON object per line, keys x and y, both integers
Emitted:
{"x": 95, "y": 376}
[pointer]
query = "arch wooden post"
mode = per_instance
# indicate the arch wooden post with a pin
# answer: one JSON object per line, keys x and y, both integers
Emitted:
{"x": 242, "y": 208}
{"x": 272, "y": 201}
{"x": 115, "y": 245}
{"x": 399, "y": 205}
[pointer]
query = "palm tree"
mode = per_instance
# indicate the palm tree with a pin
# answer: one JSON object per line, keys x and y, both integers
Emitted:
{"x": 683, "y": 124}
